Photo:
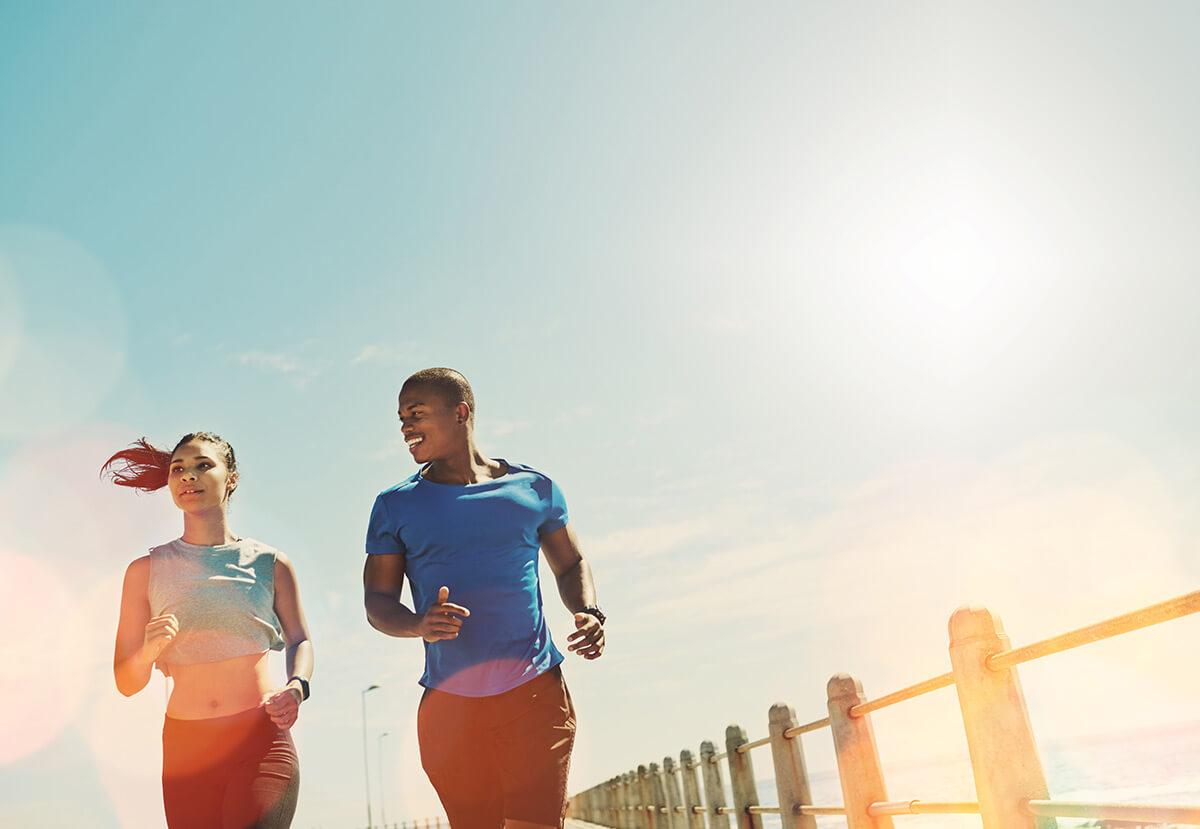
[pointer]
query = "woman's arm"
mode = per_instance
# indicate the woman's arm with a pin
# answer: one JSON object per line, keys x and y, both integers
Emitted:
{"x": 295, "y": 633}
{"x": 140, "y": 639}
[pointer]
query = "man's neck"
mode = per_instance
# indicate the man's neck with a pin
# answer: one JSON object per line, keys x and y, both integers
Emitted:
{"x": 468, "y": 467}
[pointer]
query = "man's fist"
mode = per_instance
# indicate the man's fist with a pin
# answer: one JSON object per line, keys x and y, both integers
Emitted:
{"x": 442, "y": 620}
{"x": 588, "y": 638}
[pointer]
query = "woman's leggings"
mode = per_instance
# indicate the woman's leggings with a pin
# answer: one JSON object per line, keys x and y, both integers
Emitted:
{"x": 235, "y": 772}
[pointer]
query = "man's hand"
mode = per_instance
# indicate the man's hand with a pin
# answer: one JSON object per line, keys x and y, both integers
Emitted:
{"x": 588, "y": 638}
{"x": 442, "y": 620}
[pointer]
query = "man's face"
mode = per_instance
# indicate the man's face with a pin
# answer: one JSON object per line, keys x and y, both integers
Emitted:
{"x": 431, "y": 427}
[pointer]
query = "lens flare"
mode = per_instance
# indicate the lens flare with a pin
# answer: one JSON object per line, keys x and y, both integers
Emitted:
{"x": 67, "y": 355}
{"x": 40, "y": 678}
{"x": 123, "y": 734}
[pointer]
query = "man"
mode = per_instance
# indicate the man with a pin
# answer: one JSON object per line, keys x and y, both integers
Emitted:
{"x": 495, "y": 725}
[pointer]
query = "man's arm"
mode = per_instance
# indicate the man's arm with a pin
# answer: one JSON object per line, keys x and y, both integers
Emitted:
{"x": 383, "y": 578}
{"x": 575, "y": 587}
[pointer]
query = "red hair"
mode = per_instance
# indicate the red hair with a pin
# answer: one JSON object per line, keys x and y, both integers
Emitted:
{"x": 144, "y": 467}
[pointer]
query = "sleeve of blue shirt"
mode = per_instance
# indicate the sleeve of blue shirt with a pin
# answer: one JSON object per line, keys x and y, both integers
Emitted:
{"x": 382, "y": 533}
{"x": 555, "y": 517}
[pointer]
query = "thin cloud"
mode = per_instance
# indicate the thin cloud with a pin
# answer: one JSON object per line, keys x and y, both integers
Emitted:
{"x": 573, "y": 415}
{"x": 296, "y": 372}
{"x": 502, "y": 428}
{"x": 385, "y": 355}
{"x": 652, "y": 540}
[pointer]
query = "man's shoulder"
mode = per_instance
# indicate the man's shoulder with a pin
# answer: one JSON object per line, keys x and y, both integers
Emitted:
{"x": 522, "y": 467}
{"x": 399, "y": 489}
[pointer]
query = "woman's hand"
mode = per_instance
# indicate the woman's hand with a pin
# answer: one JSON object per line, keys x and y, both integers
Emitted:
{"x": 160, "y": 632}
{"x": 284, "y": 705}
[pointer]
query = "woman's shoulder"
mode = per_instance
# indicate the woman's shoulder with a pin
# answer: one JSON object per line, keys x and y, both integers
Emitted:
{"x": 138, "y": 571}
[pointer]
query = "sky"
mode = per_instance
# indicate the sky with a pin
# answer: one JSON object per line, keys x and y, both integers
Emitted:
{"x": 827, "y": 318}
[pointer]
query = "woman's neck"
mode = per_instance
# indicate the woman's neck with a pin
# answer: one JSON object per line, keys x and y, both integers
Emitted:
{"x": 207, "y": 529}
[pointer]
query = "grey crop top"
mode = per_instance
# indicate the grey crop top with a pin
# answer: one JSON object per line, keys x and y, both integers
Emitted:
{"x": 223, "y": 597}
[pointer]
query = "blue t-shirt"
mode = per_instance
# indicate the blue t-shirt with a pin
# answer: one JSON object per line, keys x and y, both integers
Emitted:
{"x": 481, "y": 541}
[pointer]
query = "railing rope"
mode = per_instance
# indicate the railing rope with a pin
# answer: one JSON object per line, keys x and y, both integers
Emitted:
{"x": 714, "y": 789}
{"x": 857, "y": 755}
{"x": 1140, "y": 813}
{"x": 943, "y": 681}
{"x": 815, "y": 725}
{"x": 741, "y": 778}
{"x": 1004, "y": 756}
{"x": 791, "y": 774}
{"x": 1146, "y": 616}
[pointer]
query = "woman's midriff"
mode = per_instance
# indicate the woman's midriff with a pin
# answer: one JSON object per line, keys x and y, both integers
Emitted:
{"x": 218, "y": 689}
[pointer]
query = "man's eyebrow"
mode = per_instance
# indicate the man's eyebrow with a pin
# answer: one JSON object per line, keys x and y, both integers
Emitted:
{"x": 409, "y": 407}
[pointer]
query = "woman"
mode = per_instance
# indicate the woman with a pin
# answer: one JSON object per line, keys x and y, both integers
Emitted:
{"x": 206, "y": 608}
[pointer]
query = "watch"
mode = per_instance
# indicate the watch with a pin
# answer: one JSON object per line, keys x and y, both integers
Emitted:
{"x": 595, "y": 611}
{"x": 304, "y": 693}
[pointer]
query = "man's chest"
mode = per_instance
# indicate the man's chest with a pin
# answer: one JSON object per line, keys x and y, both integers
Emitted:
{"x": 471, "y": 523}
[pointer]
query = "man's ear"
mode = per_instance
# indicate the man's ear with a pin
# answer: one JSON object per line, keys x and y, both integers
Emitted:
{"x": 231, "y": 484}
{"x": 462, "y": 412}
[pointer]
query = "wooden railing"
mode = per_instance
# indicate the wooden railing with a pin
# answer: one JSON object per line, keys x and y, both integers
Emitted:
{"x": 1009, "y": 781}
{"x": 416, "y": 823}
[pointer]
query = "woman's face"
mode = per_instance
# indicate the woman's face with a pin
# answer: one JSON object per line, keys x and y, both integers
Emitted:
{"x": 199, "y": 479}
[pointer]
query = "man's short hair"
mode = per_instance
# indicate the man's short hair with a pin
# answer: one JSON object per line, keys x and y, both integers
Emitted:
{"x": 448, "y": 384}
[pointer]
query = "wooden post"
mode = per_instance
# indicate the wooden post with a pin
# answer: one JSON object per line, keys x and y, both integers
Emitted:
{"x": 857, "y": 755}
{"x": 1004, "y": 757}
{"x": 741, "y": 778}
{"x": 689, "y": 771}
{"x": 632, "y": 797}
{"x": 649, "y": 818}
{"x": 658, "y": 797}
{"x": 675, "y": 818}
{"x": 610, "y": 803}
{"x": 791, "y": 774}
{"x": 714, "y": 788}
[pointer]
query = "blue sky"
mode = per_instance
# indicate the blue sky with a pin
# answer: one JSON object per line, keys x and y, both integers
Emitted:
{"x": 827, "y": 319}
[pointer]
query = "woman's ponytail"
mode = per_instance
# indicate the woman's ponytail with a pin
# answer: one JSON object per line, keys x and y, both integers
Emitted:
{"x": 141, "y": 466}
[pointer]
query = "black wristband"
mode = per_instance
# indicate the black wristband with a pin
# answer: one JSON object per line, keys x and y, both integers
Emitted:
{"x": 592, "y": 610}
{"x": 303, "y": 686}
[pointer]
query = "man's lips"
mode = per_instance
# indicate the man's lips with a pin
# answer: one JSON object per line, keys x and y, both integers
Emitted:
{"x": 414, "y": 442}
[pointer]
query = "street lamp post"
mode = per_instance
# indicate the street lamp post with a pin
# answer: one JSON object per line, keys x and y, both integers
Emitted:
{"x": 366, "y": 765}
{"x": 382, "y": 791}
